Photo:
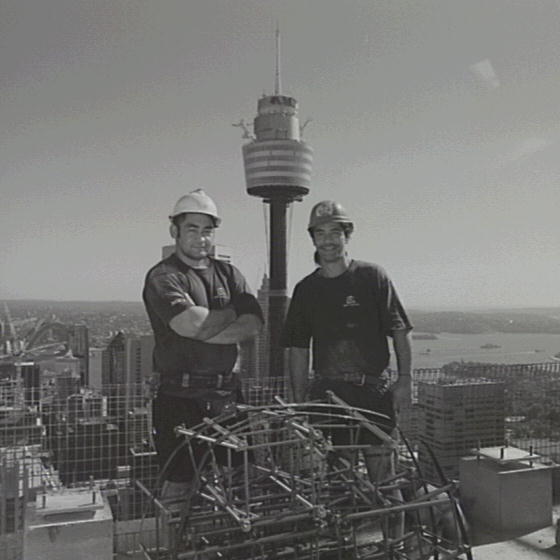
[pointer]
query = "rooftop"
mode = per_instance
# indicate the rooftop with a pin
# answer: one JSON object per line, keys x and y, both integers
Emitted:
{"x": 538, "y": 545}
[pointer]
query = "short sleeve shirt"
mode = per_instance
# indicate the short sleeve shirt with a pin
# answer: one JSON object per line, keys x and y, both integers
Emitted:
{"x": 347, "y": 318}
{"x": 167, "y": 289}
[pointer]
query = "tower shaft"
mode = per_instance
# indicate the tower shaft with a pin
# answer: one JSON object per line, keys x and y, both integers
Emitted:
{"x": 278, "y": 297}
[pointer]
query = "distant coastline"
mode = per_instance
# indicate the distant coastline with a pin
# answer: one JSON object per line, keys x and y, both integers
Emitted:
{"x": 424, "y": 336}
{"x": 426, "y": 323}
{"x": 528, "y": 321}
{"x": 499, "y": 348}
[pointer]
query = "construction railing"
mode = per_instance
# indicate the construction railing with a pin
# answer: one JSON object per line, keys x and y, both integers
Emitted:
{"x": 52, "y": 439}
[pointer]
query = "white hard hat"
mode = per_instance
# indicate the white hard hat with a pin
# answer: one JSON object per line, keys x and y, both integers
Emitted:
{"x": 197, "y": 202}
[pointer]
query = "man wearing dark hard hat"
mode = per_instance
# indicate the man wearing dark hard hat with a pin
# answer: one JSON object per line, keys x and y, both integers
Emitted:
{"x": 348, "y": 310}
{"x": 199, "y": 309}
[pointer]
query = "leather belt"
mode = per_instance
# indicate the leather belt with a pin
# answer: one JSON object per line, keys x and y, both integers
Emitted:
{"x": 188, "y": 380}
{"x": 359, "y": 379}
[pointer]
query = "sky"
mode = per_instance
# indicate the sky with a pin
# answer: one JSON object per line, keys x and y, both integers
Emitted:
{"x": 436, "y": 124}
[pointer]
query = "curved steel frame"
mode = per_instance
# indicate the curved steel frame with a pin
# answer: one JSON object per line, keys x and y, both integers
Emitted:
{"x": 284, "y": 491}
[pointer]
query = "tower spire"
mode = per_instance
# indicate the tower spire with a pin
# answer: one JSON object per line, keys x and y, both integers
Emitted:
{"x": 278, "y": 79}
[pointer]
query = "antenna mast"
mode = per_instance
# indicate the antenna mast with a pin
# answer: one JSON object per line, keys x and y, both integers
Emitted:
{"x": 277, "y": 81}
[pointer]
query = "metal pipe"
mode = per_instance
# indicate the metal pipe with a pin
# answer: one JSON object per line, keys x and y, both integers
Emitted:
{"x": 291, "y": 536}
{"x": 371, "y": 427}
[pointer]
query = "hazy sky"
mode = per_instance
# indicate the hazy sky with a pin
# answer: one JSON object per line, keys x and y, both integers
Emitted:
{"x": 436, "y": 123}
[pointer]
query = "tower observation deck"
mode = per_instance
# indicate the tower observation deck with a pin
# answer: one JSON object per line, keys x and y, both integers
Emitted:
{"x": 278, "y": 166}
{"x": 277, "y": 163}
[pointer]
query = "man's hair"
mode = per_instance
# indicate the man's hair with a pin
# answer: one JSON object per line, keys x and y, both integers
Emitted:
{"x": 179, "y": 219}
{"x": 346, "y": 228}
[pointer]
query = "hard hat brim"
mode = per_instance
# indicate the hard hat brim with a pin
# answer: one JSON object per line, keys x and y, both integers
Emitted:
{"x": 217, "y": 221}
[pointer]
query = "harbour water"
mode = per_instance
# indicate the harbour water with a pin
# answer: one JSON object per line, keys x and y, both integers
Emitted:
{"x": 503, "y": 348}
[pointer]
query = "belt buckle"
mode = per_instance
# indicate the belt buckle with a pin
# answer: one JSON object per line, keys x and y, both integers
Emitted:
{"x": 355, "y": 379}
{"x": 219, "y": 380}
{"x": 185, "y": 380}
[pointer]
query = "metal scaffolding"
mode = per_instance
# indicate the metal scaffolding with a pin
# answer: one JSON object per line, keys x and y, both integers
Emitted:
{"x": 272, "y": 485}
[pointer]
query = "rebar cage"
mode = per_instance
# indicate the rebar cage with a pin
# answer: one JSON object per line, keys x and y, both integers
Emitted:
{"x": 272, "y": 485}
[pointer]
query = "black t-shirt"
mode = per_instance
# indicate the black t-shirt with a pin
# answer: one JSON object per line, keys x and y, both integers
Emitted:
{"x": 166, "y": 286}
{"x": 348, "y": 318}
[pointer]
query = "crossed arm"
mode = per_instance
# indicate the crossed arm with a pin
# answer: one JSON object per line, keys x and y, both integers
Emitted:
{"x": 216, "y": 326}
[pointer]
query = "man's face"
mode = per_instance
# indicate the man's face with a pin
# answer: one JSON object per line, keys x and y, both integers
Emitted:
{"x": 194, "y": 237}
{"x": 330, "y": 241}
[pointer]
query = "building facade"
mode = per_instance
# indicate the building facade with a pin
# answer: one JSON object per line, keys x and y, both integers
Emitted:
{"x": 455, "y": 417}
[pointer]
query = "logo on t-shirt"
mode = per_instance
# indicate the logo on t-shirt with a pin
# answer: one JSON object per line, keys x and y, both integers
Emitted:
{"x": 351, "y": 302}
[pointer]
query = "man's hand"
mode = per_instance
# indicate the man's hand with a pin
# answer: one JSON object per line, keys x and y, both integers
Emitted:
{"x": 243, "y": 328}
{"x": 402, "y": 392}
{"x": 201, "y": 323}
{"x": 298, "y": 364}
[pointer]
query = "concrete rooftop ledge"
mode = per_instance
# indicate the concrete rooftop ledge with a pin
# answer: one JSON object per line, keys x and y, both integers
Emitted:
{"x": 539, "y": 545}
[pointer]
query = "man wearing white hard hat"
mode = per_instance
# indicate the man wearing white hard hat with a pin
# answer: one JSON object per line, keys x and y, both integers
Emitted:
{"x": 200, "y": 309}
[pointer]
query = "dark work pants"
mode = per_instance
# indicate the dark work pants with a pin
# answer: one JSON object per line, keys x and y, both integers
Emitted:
{"x": 170, "y": 411}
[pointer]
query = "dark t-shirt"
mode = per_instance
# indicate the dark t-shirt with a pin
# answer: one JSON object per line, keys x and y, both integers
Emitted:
{"x": 348, "y": 318}
{"x": 165, "y": 293}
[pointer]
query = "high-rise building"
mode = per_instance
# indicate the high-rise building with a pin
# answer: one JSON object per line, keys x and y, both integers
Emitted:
{"x": 8, "y": 369}
{"x": 129, "y": 363}
{"x": 98, "y": 360}
{"x": 255, "y": 353}
{"x": 20, "y": 424}
{"x": 66, "y": 364}
{"x": 64, "y": 372}
{"x": 455, "y": 417}
{"x": 87, "y": 448}
{"x": 78, "y": 343}
{"x": 30, "y": 375}
{"x": 140, "y": 349}
{"x": 87, "y": 405}
{"x": 116, "y": 373}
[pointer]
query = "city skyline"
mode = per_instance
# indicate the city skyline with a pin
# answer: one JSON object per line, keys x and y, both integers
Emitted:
{"x": 435, "y": 124}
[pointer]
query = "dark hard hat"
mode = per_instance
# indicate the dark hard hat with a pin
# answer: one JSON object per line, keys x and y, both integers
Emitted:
{"x": 328, "y": 211}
